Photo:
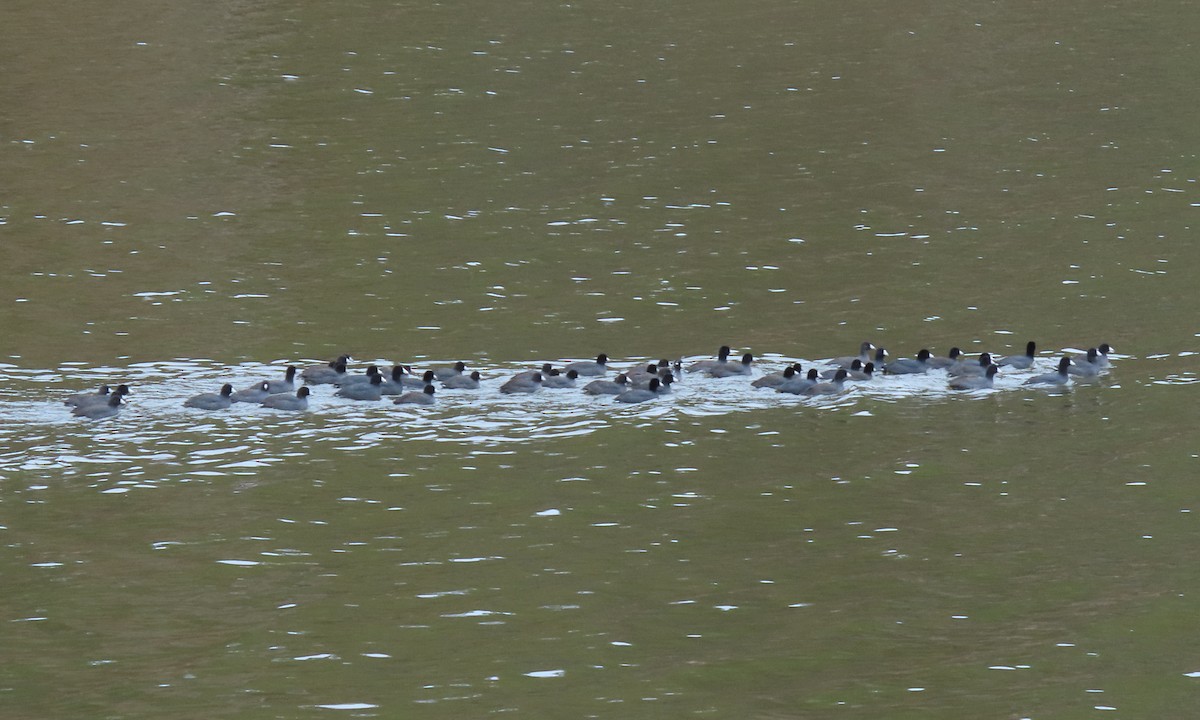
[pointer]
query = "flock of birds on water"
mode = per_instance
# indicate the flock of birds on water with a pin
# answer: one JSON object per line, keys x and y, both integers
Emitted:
{"x": 639, "y": 384}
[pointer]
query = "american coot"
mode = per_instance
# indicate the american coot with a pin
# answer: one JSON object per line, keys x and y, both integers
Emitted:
{"x": 776, "y": 379}
{"x": 393, "y": 382}
{"x": 855, "y": 366}
{"x": 974, "y": 382}
{"x": 253, "y": 394}
{"x": 544, "y": 370}
{"x": 664, "y": 385}
{"x": 101, "y": 394}
{"x": 367, "y": 391}
{"x": 462, "y": 382}
{"x": 98, "y": 411}
{"x": 559, "y": 380}
{"x": 287, "y": 385}
{"x": 942, "y": 363}
{"x": 864, "y": 354}
{"x": 1101, "y": 356}
{"x": 521, "y": 383}
{"x": 642, "y": 374}
{"x": 1060, "y": 377}
{"x": 1020, "y": 362}
{"x": 798, "y": 385}
{"x": 866, "y": 373}
{"x": 359, "y": 378}
{"x": 706, "y": 365}
{"x": 1089, "y": 366}
{"x": 590, "y": 369}
{"x": 412, "y": 397}
{"x": 89, "y": 399}
{"x": 729, "y": 369}
{"x": 293, "y": 403}
{"x": 418, "y": 382}
{"x": 443, "y": 373}
{"x": 608, "y": 387}
{"x": 909, "y": 366}
{"x": 973, "y": 368}
{"x": 637, "y": 395}
{"x": 830, "y": 387}
{"x": 211, "y": 401}
{"x": 325, "y": 374}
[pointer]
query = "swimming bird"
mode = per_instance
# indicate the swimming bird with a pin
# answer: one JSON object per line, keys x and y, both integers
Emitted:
{"x": 253, "y": 394}
{"x": 856, "y": 366}
{"x": 442, "y": 373}
{"x": 558, "y": 379}
{"x": 637, "y": 395}
{"x": 798, "y": 385}
{"x": 608, "y": 387}
{"x": 830, "y": 387}
{"x": 864, "y": 354}
{"x": 98, "y": 411}
{"x": 101, "y": 394}
{"x": 970, "y": 368}
{"x": 776, "y": 379}
{"x": 211, "y": 401}
{"x": 544, "y": 370}
{"x": 326, "y": 374}
{"x": 942, "y": 363}
{"x": 706, "y": 365}
{"x": 521, "y": 383}
{"x": 974, "y": 382}
{"x": 866, "y": 373}
{"x": 393, "y": 382}
{"x": 729, "y": 369}
{"x": 367, "y": 391}
{"x": 462, "y": 382}
{"x": 1059, "y": 377}
{"x": 590, "y": 369}
{"x": 412, "y": 397}
{"x": 89, "y": 399}
{"x": 1020, "y": 362}
{"x": 909, "y": 366}
{"x": 1101, "y": 356}
{"x": 365, "y": 377}
{"x": 292, "y": 403}
{"x": 287, "y": 385}
{"x": 642, "y": 374}
{"x": 1089, "y": 366}
{"x": 418, "y": 382}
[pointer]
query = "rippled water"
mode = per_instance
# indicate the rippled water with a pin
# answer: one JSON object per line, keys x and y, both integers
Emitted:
{"x": 198, "y": 195}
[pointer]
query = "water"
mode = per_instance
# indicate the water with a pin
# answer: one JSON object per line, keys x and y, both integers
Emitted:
{"x": 201, "y": 197}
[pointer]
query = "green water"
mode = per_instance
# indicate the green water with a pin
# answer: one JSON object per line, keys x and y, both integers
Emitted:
{"x": 191, "y": 194}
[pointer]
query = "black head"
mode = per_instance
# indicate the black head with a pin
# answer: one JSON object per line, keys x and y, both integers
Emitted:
{"x": 747, "y": 359}
{"x": 789, "y": 372}
{"x": 601, "y": 359}
{"x": 555, "y": 373}
{"x": 985, "y": 359}
{"x": 869, "y": 368}
{"x": 866, "y": 347}
{"x": 302, "y": 392}
{"x": 428, "y": 376}
{"x": 1030, "y": 348}
{"x": 1064, "y": 363}
{"x": 114, "y": 400}
{"x": 428, "y": 390}
{"x": 841, "y": 375}
{"x": 652, "y": 368}
{"x": 372, "y": 370}
{"x": 397, "y": 373}
{"x": 340, "y": 365}
{"x": 653, "y": 386}
{"x": 992, "y": 370}
{"x": 122, "y": 389}
{"x": 104, "y": 390}
{"x": 954, "y": 353}
{"x": 475, "y": 375}
{"x": 376, "y": 379}
{"x": 813, "y": 374}
{"x": 226, "y": 390}
{"x": 1091, "y": 355}
{"x": 923, "y": 355}
{"x": 723, "y": 353}
{"x": 880, "y": 356}
{"x": 621, "y": 379}
{"x": 572, "y": 374}
{"x": 460, "y": 366}
{"x": 1104, "y": 348}
{"x": 547, "y": 367}
{"x": 291, "y": 373}
{"x": 536, "y": 377}
{"x": 668, "y": 378}
{"x": 797, "y": 368}
{"x": 856, "y": 365}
